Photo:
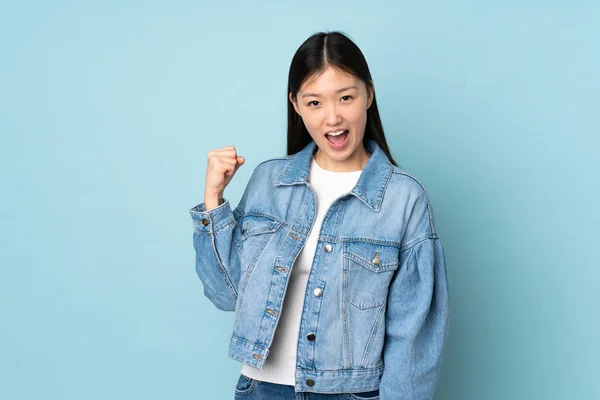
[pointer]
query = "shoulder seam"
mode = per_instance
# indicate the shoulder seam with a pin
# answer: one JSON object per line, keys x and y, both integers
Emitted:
{"x": 274, "y": 159}
{"x": 429, "y": 210}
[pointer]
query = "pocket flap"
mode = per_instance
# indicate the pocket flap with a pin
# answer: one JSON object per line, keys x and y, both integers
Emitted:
{"x": 376, "y": 257}
{"x": 258, "y": 224}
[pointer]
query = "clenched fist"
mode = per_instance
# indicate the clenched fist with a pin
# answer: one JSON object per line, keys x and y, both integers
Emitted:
{"x": 223, "y": 163}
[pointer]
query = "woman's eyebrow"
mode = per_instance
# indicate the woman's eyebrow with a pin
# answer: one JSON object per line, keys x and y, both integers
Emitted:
{"x": 337, "y": 91}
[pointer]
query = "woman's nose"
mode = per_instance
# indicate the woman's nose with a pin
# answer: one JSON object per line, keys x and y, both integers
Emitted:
{"x": 333, "y": 116}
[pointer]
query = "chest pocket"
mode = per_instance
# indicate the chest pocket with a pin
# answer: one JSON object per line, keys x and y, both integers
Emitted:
{"x": 255, "y": 232}
{"x": 258, "y": 225}
{"x": 368, "y": 270}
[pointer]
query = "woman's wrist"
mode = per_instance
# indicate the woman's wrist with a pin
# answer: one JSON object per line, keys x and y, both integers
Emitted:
{"x": 213, "y": 202}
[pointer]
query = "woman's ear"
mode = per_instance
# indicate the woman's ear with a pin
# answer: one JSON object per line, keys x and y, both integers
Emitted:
{"x": 294, "y": 103}
{"x": 371, "y": 93}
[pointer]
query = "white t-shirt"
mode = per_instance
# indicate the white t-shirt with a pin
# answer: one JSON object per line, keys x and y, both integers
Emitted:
{"x": 280, "y": 364}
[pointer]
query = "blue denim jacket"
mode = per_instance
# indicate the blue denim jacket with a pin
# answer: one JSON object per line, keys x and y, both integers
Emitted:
{"x": 380, "y": 318}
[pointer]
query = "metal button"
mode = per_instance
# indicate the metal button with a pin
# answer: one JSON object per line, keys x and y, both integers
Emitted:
{"x": 310, "y": 382}
{"x": 311, "y": 337}
{"x": 204, "y": 222}
{"x": 376, "y": 260}
{"x": 318, "y": 292}
{"x": 328, "y": 248}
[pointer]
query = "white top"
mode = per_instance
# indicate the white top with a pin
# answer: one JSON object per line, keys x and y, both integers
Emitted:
{"x": 280, "y": 364}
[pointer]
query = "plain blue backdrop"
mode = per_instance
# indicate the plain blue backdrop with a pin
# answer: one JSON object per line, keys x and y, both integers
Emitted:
{"x": 107, "y": 113}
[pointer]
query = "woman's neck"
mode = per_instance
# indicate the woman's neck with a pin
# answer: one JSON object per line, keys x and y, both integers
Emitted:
{"x": 355, "y": 162}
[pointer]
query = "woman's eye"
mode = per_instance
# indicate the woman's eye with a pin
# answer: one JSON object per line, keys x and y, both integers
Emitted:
{"x": 347, "y": 96}
{"x": 310, "y": 103}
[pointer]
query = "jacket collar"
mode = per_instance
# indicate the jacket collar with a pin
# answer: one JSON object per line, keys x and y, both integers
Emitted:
{"x": 371, "y": 183}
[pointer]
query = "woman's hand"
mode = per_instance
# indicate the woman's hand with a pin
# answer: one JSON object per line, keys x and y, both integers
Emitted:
{"x": 223, "y": 163}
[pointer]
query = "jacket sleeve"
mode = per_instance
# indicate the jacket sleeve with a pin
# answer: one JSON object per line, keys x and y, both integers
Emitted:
{"x": 218, "y": 249}
{"x": 416, "y": 320}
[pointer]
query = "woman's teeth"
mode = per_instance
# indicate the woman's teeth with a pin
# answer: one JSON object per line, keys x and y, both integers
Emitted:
{"x": 338, "y": 139}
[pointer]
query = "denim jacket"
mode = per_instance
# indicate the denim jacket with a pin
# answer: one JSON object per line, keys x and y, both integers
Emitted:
{"x": 376, "y": 307}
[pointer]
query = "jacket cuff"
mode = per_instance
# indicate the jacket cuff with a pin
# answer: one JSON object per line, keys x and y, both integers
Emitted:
{"x": 211, "y": 220}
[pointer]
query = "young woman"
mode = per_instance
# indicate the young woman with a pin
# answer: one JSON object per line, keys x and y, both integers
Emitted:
{"x": 330, "y": 261}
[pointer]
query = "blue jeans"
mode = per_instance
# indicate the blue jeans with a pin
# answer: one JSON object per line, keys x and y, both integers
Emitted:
{"x": 252, "y": 389}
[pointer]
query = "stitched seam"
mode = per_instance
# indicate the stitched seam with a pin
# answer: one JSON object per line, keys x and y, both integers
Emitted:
{"x": 416, "y": 241}
{"x": 372, "y": 336}
{"x": 222, "y": 269}
{"x": 384, "y": 188}
{"x": 247, "y": 343}
{"x": 429, "y": 210}
{"x": 257, "y": 213}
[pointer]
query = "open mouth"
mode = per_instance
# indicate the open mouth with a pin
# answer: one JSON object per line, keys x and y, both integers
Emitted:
{"x": 338, "y": 140}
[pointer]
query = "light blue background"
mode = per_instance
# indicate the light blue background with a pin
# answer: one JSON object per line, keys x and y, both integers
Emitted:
{"x": 108, "y": 110}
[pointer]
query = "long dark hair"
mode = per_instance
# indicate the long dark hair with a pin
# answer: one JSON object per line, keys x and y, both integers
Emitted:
{"x": 314, "y": 55}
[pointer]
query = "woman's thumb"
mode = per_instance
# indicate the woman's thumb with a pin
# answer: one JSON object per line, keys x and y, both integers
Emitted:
{"x": 239, "y": 162}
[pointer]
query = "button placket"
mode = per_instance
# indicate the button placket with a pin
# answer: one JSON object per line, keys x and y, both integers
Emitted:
{"x": 317, "y": 292}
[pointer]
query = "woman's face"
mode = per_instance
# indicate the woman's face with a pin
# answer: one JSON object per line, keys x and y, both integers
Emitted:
{"x": 329, "y": 103}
